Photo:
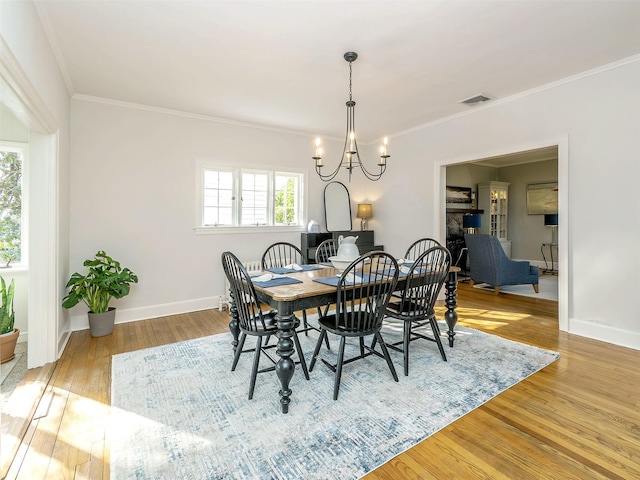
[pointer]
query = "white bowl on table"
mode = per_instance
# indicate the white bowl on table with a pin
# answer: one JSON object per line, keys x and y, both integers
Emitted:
{"x": 341, "y": 262}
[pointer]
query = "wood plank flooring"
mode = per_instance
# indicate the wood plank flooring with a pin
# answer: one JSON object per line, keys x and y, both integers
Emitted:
{"x": 579, "y": 418}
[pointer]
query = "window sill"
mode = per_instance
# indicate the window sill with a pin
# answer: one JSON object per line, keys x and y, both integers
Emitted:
{"x": 13, "y": 269}
{"x": 245, "y": 230}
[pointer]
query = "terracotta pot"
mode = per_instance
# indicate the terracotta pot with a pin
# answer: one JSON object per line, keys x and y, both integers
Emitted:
{"x": 8, "y": 345}
{"x": 101, "y": 324}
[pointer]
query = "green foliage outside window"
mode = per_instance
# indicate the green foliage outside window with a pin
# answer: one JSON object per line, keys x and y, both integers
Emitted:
{"x": 285, "y": 208}
{"x": 10, "y": 205}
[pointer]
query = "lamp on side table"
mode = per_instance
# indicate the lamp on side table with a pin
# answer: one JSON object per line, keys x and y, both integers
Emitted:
{"x": 364, "y": 213}
{"x": 472, "y": 222}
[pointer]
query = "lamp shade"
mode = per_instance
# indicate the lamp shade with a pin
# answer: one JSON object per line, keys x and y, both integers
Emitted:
{"x": 551, "y": 220}
{"x": 364, "y": 210}
{"x": 471, "y": 221}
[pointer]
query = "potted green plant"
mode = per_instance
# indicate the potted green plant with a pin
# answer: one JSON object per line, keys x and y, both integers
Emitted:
{"x": 8, "y": 334}
{"x": 105, "y": 280}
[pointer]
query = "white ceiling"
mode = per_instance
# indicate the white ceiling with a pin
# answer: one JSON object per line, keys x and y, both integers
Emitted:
{"x": 280, "y": 64}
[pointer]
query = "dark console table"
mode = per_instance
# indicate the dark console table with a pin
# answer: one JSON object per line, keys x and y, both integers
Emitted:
{"x": 310, "y": 241}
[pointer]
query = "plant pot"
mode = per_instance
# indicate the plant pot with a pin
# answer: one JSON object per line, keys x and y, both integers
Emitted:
{"x": 101, "y": 324}
{"x": 8, "y": 345}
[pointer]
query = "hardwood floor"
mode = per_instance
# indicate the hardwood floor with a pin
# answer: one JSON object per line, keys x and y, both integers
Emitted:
{"x": 578, "y": 418}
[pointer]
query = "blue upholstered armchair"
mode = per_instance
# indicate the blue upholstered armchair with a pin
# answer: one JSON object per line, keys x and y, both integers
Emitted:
{"x": 489, "y": 264}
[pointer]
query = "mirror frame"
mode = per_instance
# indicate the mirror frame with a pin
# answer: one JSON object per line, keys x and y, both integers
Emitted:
{"x": 337, "y": 208}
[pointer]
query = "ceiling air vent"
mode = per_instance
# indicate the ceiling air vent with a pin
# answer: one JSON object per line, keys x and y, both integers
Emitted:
{"x": 479, "y": 98}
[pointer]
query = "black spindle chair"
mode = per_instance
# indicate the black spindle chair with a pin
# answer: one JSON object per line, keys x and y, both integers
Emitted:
{"x": 360, "y": 309}
{"x": 415, "y": 305}
{"x": 252, "y": 320}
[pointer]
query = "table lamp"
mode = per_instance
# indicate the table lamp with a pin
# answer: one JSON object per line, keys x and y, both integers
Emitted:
{"x": 471, "y": 222}
{"x": 551, "y": 220}
{"x": 364, "y": 213}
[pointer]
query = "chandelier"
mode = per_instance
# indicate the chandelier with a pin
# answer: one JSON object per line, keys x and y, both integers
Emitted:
{"x": 350, "y": 155}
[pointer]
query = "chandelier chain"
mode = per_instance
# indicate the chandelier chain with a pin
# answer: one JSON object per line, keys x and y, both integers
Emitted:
{"x": 350, "y": 70}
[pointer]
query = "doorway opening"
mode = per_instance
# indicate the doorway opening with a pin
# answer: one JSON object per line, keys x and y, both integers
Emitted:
{"x": 515, "y": 159}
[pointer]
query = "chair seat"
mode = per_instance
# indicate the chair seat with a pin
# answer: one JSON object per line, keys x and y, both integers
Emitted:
{"x": 329, "y": 324}
{"x": 409, "y": 310}
{"x": 269, "y": 328}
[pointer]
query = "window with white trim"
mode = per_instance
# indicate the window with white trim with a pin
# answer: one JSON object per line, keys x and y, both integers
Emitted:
{"x": 12, "y": 214}
{"x": 246, "y": 197}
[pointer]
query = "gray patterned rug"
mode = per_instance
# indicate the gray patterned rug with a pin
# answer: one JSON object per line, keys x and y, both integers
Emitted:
{"x": 178, "y": 412}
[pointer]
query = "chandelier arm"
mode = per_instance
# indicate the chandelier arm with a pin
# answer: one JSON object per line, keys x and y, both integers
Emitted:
{"x": 330, "y": 176}
{"x": 373, "y": 176}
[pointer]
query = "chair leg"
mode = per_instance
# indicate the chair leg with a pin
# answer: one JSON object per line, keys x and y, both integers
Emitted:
{"x": 303, "y": 362}
{"x": 387, "y": 357}
{"x": 362, "y": 346}
{"x": 236, "y": 357}
{"x": 256, "y": 362}
{"x": 436, "y": 334}
{"x": 305, "y": 323}
{"x": 326, "y": 340}
{"x": 496, "y": 290}
{"x": 323, "y": 333}
{"x": 336, "y": 385}
{"x": 535, "y": 287}
{"x": 405, "y": 346}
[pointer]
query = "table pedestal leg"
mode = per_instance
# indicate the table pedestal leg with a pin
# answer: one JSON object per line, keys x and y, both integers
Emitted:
{"x": 285, "y": 319}
{"x": 451, "y": 316}
{"x": 234, "y": 327}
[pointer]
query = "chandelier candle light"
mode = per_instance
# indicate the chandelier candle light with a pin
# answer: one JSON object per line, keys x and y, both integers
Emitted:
{"x": 350, "y": 155}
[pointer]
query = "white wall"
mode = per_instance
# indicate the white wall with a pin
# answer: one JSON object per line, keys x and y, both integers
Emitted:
{"x": 528, "y": 232}
{"x": 600, "y": 114}
{"x": 133, "y": 182}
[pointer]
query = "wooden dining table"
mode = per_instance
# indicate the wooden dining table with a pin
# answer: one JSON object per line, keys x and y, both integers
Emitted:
{"x": 308, "y": 294}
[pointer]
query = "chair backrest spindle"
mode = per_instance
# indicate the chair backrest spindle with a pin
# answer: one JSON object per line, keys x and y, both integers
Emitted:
{"x": 280, "y": 254}
{"x": 328, "y": 248}
{"x": 420, "y": 246}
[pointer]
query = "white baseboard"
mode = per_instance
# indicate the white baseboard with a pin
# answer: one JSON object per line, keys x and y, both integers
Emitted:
{"x": 605, "y": 333}
{"x": 81, "y": 322}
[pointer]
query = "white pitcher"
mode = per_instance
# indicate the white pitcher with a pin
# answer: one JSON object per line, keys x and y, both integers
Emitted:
{"x": 347, "y": 247}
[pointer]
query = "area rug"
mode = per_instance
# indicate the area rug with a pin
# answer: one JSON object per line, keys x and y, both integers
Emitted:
{"x": 179, "y": 412}
{"x": 547, "y": 288}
